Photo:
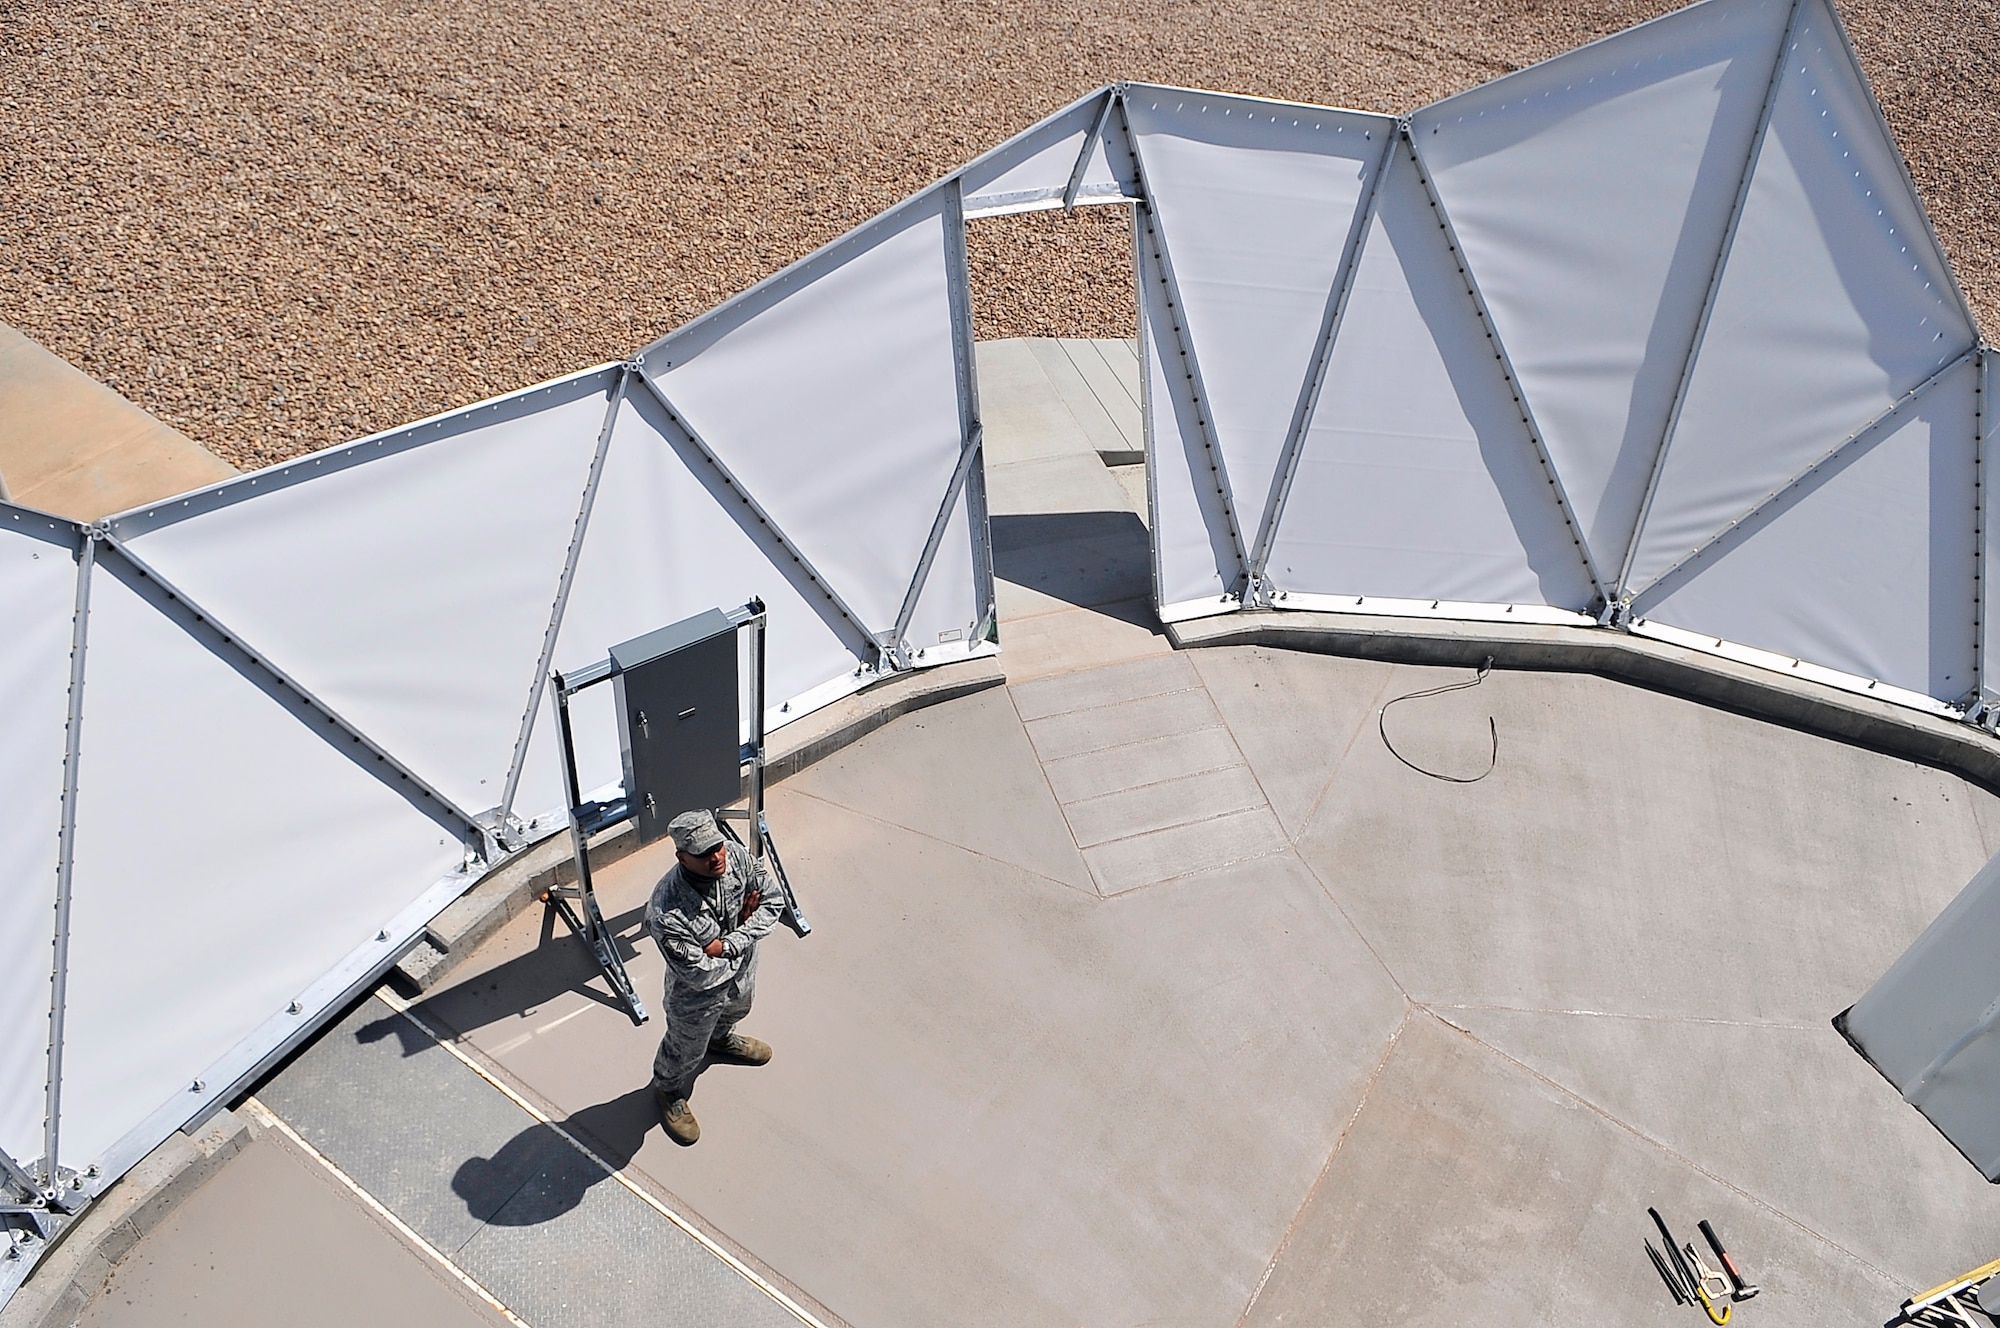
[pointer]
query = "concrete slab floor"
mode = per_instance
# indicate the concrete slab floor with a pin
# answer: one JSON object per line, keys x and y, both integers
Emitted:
{"x": 274, "y": 1239}
{"x": 1429, "y": 1061}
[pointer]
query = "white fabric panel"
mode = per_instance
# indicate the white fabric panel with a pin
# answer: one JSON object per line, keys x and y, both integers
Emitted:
{"x": 948, "y": 607}
{"x": 1833, "y": 304}
{"x": 410, "y": 592}
{"x": 1866, "y": 567}
{"x": 227, "y": 856}
{"x": 37, "y": 607}
{"x": 1418, "y": 479}
{"x": 664, "y": 543}
{"x": 1590, "y": 194}
{"x": 1935, "y": 994}
{"x": 1256, "y": 201}
{"x": 1193, "y": 557}
{"x": 1034, "y": 166}
{"x": 835, "y": 404}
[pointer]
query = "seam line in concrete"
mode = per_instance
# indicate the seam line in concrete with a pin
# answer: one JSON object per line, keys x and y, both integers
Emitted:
{"x": 1291, "y": 1228}
{"x": 1627, "y": 1127}
{"x": 1170, "y": 779}
{"x": 707, "y": 1242}
{"x": 1212, "y": 868}
{"x": 1042, "y": 768}
{"x": 272, "y": 1121}
{"x": 939, "y": 839}
{"x": 1319, "y": 802}
{"x": 1195, "y": 686}
{"x": 1177, "y": 825}
{"x": 1619, "y": 1014}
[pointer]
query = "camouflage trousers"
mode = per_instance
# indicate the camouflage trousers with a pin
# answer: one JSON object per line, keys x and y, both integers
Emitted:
{"x": 693, "y": 1020}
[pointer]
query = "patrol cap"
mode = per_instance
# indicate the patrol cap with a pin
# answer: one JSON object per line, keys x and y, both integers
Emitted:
{"x": 695, "y": 833}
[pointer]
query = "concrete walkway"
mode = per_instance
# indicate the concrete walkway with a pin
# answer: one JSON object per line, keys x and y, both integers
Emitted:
{"x": 1153, "y": 989}
{"x": 72, "y": 446}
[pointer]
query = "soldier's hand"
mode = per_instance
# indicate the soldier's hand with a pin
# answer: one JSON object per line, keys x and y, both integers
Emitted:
{"x": 713, "y": 949}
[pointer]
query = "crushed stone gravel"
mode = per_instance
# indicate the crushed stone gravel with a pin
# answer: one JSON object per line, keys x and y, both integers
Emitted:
{"x": 279, "y": 225}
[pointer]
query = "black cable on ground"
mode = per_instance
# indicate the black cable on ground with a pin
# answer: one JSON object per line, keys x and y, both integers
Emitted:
{"x": 1493, "y": 732}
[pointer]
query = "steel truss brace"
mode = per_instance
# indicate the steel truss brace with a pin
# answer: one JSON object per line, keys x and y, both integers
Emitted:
{"x": 504, "y": 817}
{"x": 406, "y": 780}
{"x": 756, "y": 509}
{"x": 1090, "y": 140}
{"x": 86, "y": 564}
{"x": 1322, "y": 356}
{"x": 1982, "y": 530}
{"x": 1521, "y": 406}
{"x": 1857, "y": 441}
{"x": 1149, "y": 224}
{"x": 1622, "y": 600}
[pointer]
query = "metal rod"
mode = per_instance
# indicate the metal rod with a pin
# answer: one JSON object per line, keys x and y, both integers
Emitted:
{"x": 1865, "y": 433}
{"x": 570, "y": 559}
{"x": 730, "y": 482}
{"x": 939, "y": 524}
{"x": 18, "y": 1175}
{"x": 1982, "y": 567}
{"x": 86, "y": 566}
{"x": 1147, "y": 351}
{"x": 756, "y": 799}
{"x": 1535, "y": 439}
{"x": 1082, "y": 166}
{"x": 1322, "y": 357}
{"x": 1722, "y": 252}
{"x": 469, "y": 827}
{"x": 1163, "y": 261}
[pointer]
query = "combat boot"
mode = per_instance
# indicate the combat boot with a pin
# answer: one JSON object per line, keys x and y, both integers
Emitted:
{"x": 740, "y": 1050}
{"x": 678, "y": 1119}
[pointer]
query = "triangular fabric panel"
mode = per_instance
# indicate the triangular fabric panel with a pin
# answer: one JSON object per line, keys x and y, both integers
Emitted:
{"x": 1867, "y": 566}
{"x": 666, "y": 540}
{"x": 1032, "y": 170}
{"x": 832, "y": 397}
{"x": 214, "y": 880}
{"x": 1931, "y": 998}
{"x": 1194, "y": 556}
{"x": 1834, "y": 302}
{"x": 948, "y": 610}
{"x": 1590, "y": 194}
{"x": 410, "y": 591}
{"x": 1418, "y": 479}
{"x": 37, "y": 606}
{"x": 1255, "y": 201}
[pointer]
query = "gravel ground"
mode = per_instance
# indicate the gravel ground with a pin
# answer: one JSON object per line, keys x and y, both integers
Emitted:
{"x": 281, "y": 225}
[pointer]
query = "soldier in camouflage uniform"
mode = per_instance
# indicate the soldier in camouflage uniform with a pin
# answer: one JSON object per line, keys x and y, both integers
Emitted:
{"x": 707, "y": 914}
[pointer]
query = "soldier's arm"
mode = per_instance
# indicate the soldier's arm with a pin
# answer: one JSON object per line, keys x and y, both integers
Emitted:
{"x": 678, "y": 937}
{"x": 764, "y": 916}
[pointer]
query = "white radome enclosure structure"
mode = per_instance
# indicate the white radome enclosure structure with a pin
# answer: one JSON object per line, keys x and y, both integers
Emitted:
{"x": 1653, "y": 337}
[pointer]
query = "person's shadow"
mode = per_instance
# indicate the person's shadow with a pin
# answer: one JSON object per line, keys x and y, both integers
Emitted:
{"x": 538, "y": 1175}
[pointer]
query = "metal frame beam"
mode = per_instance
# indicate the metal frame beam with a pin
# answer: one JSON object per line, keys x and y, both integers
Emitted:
{"x": 1090, "y": 141}
{"x": 1322, "y": 357}
{"x": 86, "y": 566}
{"x": 1535, "y": 439}
{"x": 407, "y": 781}
{"x": 958, "y": 289}
{"x": 756, "y": 509}
{"x": 1982, "y": 527}
{"x": 1855, "y": 441}
{"x": 503, "y": 820}
{"x": 1149, "y": 219}
{"x": 1622, "y": 591}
